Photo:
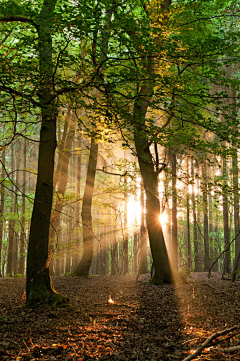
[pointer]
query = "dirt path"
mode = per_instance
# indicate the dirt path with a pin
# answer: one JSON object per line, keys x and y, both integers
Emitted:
{"x": 145, "y": 322}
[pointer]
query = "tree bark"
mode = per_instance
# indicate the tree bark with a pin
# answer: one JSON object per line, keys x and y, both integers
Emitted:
{"x": 125, "y": 231}
{"x": 84, "y": 265}
{"x": 38, "y": 284}
{"x": 227, "y": 259}
{"x": 236, "y": 205}
{"x": 174, "y": 243}
{"x": 188, "y": 222}
{"x": 150, "y": 181}
{"x": 205, "y": 215}
{"x": 77, "y": 215}
{"x": 64, "y": 159}
{"x": 11, "y": 224}
{"x": 197, "y": 267}
{"x": 21, "y": 266}
{"x": 2, "y": 192}
{"x": 143, "y": 237}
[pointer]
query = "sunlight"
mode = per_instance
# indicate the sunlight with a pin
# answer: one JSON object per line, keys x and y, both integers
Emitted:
{"x": 163, "y": 218}
{"x": 133, "y": 211}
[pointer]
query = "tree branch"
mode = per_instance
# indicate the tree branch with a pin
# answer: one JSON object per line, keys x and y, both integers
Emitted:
{"x": 208, "y": 342}
{"x": 22, "y": 19}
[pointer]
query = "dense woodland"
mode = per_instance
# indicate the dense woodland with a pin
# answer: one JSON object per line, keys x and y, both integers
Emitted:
{"x": 119, "y": 149}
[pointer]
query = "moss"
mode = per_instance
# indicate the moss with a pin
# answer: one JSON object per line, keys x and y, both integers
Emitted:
{"x": 59, "y": 301}
{"x": 41, "y": 295}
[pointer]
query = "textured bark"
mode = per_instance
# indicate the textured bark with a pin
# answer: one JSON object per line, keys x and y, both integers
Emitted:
{"x": 65, "y": 154}
{"x": 2, "y": 192}
{"x": 114, "y": 249}
{"x": 236, "y": 207}
{"x": 197, "y": 261}
{"x": 174, "y": 242}
{"x": 15, "y": 225}
{"x": 84, "y": 265}
{"x": 38, "y": 285}
{"x": 125, "y": 231}
{"x": 227, "y": 258}
{"x": 143, "y": 237}
{"x": 150, "y": 181}
{"x": 77, "y": 216}
{"x": 21, "y": 266}
{"x": 11, "y": 225}
{"x": 205, "y": 216}
{"x": 188, "y": 221}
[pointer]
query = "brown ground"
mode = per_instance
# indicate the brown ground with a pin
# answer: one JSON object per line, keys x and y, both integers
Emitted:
{"x": 145, "y": 322}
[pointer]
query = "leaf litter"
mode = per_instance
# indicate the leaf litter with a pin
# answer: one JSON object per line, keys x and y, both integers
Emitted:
{"x": 144, "y": 323}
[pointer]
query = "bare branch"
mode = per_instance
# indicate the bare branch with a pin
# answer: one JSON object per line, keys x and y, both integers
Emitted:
{"x": 208, "y": 342}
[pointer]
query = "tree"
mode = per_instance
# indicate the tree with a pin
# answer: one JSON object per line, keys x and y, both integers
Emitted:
{"x": 38, "y": 284}
{"x": 84, "y": 265}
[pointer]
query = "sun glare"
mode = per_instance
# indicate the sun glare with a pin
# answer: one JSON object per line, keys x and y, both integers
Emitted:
{"x": 163, "y": 219}
{"x": 134, "y": 211}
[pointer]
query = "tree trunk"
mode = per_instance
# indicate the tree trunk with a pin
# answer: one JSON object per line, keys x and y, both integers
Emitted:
{"x": 210, "y": 217}
{"x": 77, "y": 216}
{"x": 21, "y": 267}
{"x": 38, "y": 285}
{"x": 197, "y": 267}
{"x": 227, "y": 259}
{"x": 15, "y": 227}
{"x": 205, "y": 215}
{"x": 236, "y": 206}
{"x": 143, "y": 237}
{"x": 11, "y": 224}
{"x": 84, "y": 265}
{"x": 174, "y": 242}
{"x": 125, "y": 231}
{"x": 2, "y": 190}
{"x": 64, "y": 159}
{"x": 188, "y": 222}
{"x": 150, "y": 181}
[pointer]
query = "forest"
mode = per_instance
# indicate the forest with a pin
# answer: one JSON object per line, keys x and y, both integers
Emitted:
{"x": 119, "y": 180}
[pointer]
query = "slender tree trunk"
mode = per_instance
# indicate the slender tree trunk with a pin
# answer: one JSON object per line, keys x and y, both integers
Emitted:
{"x": 77, "y": 216}
{"x": 210, "y": 217}
{"x": 114, "y": 250}
{"x": 2, "y": 191}
{"x": 11, "y": 224}
{"x": 64, "y": 158}
{"x": 188, "y": 221}
{"x": 174, "y": 211}
{"x": 143, "y": 237}
{"x": 23, "y": 226}
{"x": 236, "y": 206}
{"x": 125, "y": 231}
{"x": 84, "y": 265}
{"x": 197, "y": 267}
{"x": 205, "y": 215}
{"x": 15, "y": 227}
{"x": 227, "y": 259}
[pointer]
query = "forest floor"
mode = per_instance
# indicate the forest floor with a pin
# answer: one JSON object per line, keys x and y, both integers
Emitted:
{"x": 144, "y": 323}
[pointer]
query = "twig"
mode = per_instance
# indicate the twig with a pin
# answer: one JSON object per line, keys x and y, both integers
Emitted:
{"x": 208, "y": 342}
{"x": 206, "y": 284}
{"x": 225, "y": 250}
{"x": 230, "y": 349}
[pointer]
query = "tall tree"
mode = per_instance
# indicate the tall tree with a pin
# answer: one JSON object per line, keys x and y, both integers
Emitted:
{"x": 84, "y": 265}
{"x": 205, "y": 214}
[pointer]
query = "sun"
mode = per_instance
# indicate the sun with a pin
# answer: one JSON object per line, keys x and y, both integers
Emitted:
{"x": 163, "y": 218}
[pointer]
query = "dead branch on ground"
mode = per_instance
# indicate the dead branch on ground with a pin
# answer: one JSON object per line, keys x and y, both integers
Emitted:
{"x": 209, "y": 341}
